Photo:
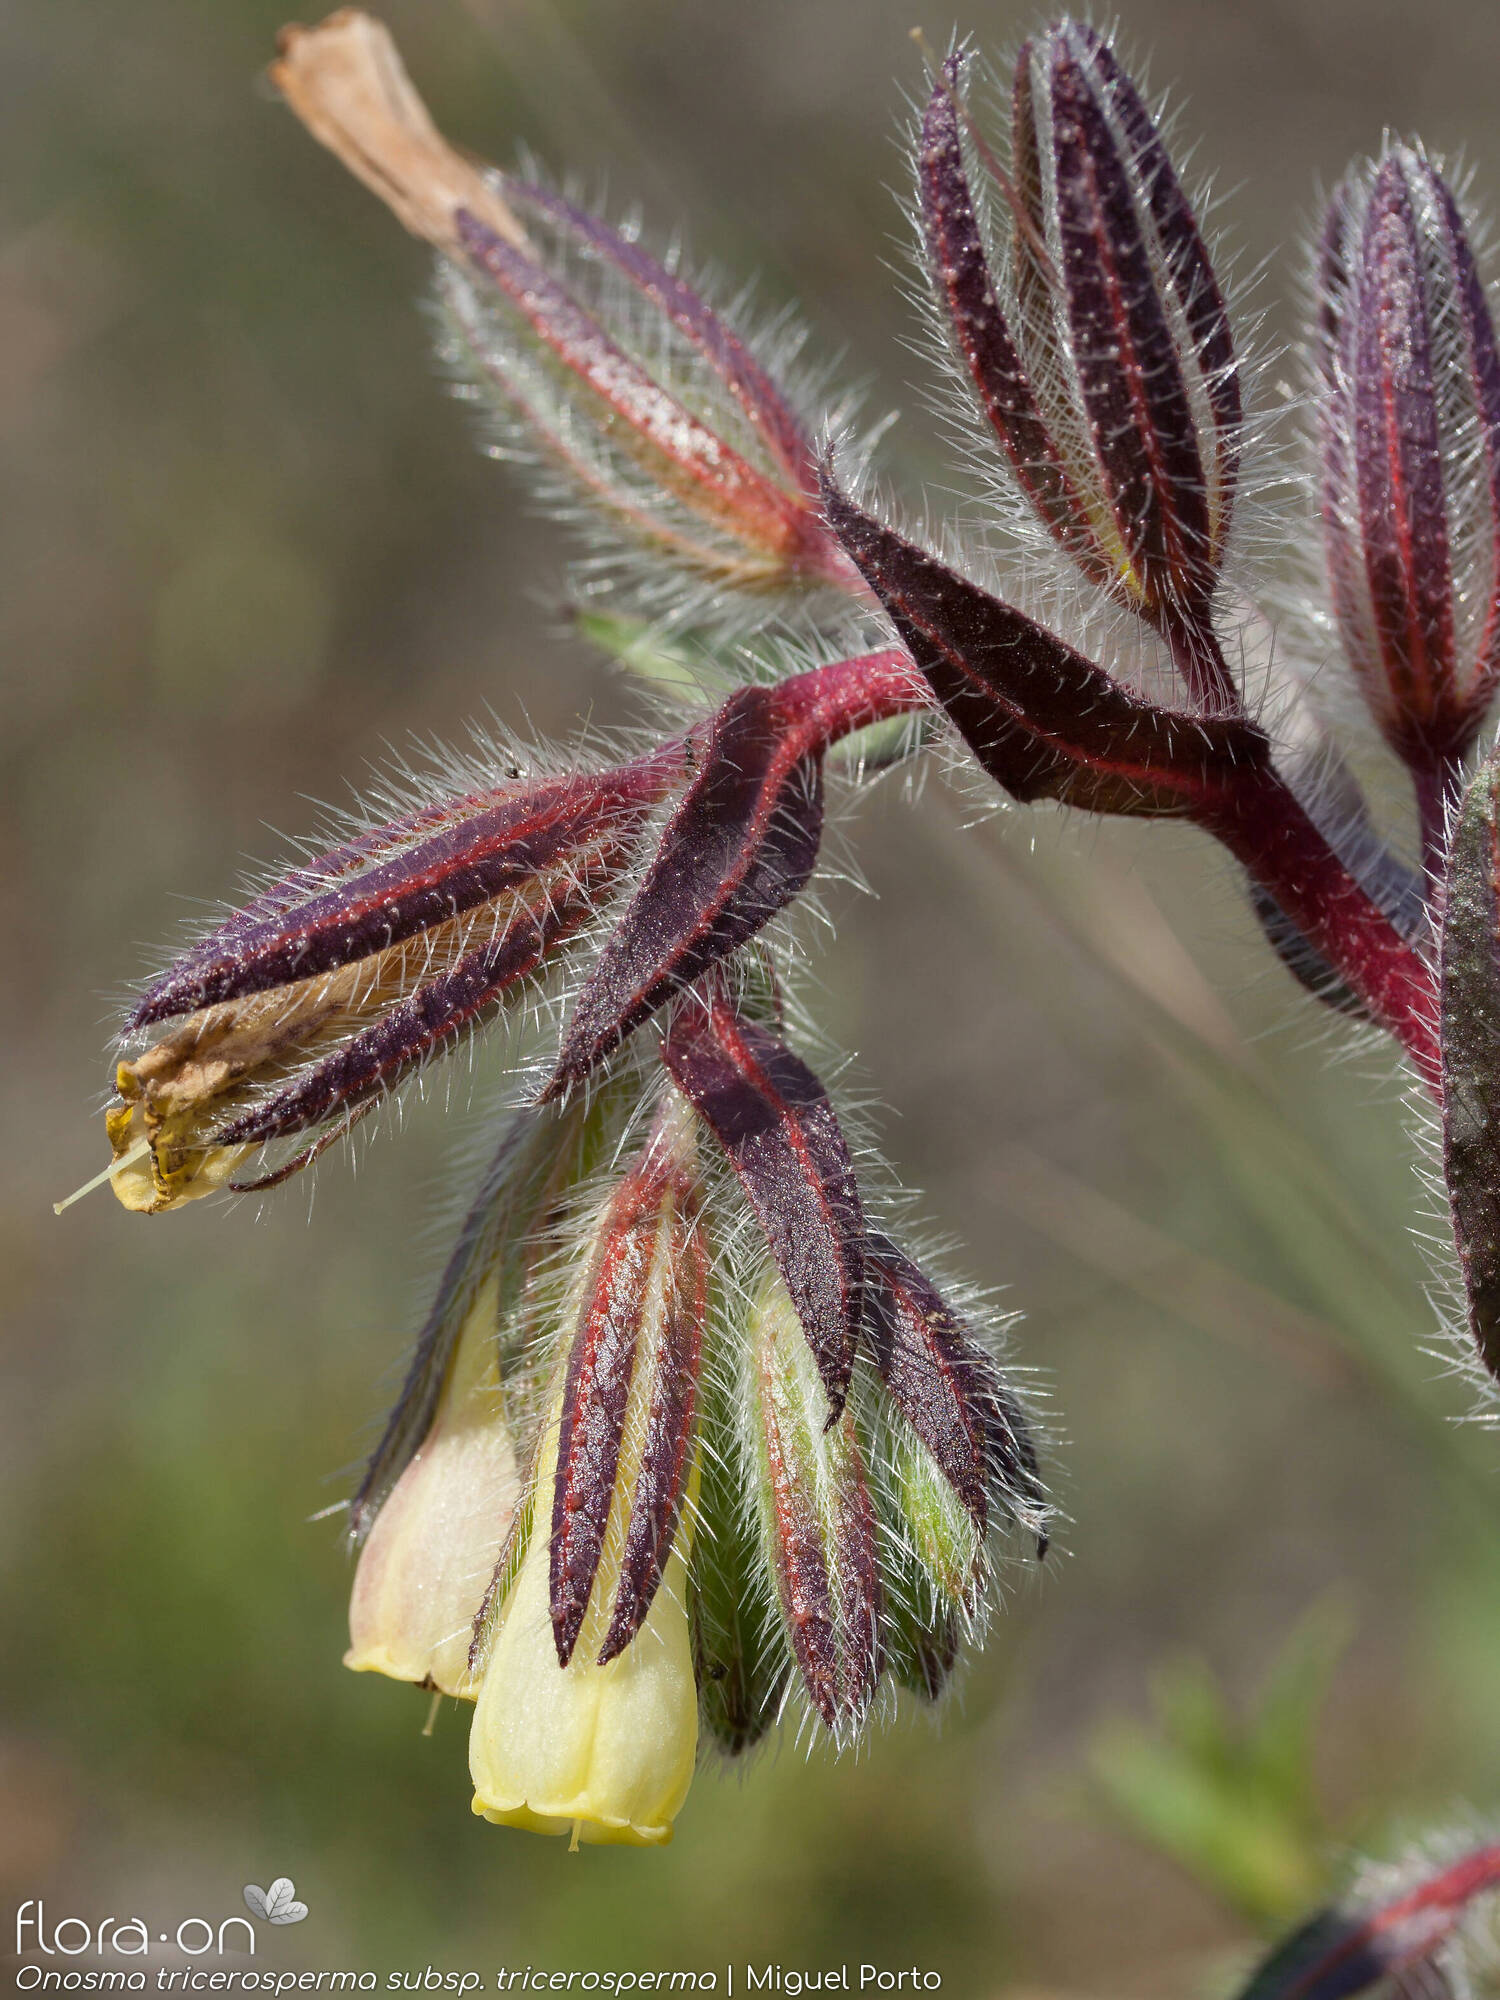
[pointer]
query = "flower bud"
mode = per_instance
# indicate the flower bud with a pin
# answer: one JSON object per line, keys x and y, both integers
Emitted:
{"x": 1100, "y": 350}
{"x": 423, "y": 1571}
{"x": 595, "y": 359}
{"x": 817, "y": 1518}
{"x": 300, "y": 1011}
{"x": 1409, "y": 438}
{"x": 602, "y": 1752}
{"x": 438, "y": 1500}
{"x": 587, "y": 1657}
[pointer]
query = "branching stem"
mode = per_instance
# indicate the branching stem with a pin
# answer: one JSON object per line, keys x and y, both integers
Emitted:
{"x": 1264, "y": 826}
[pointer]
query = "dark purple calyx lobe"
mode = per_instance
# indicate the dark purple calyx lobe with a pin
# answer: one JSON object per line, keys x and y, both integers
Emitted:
{"x": 741, "y": 844}
{"x": 949, "y": 1390}
{"x": 503, "y": 845}
{"x": 1129, "y": 374}
{"x": 782, "y": 1137}
{"x": 672, "y": 1347}
{"x": 823, "y": 1541}
{"x": 968, "y": 292}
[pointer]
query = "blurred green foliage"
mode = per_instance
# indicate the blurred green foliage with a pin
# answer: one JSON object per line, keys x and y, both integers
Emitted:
{"x": 1233, "y": 1799}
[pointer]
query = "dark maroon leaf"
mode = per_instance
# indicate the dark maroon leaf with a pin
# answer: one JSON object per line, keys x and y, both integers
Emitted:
{"x": 1340, "y": 1953}
{"x": 949, "y": 1390}
{"x": 1470, "y": 1016}
{"x": 740, "y": 845}
{"x": 774, "y": 1121}
{"x": 1045, "y": 722}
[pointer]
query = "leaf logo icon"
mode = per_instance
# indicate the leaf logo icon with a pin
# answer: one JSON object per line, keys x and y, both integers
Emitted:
{"x": 278, "y": 1904}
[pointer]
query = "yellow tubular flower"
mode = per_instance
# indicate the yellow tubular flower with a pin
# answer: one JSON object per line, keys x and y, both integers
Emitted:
{"x": 424, "y": 1570}
{"x": 603, "y": 1753}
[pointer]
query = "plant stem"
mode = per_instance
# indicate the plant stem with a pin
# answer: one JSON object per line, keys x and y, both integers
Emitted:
{"x": 1263, "y": 826}
{"x": 1199, "y": 658}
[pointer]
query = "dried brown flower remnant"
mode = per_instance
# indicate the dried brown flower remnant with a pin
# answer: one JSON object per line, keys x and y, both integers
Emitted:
{"x": 349, "y": 86}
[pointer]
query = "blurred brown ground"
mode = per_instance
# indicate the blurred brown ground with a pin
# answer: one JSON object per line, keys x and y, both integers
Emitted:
{"x": 248, "y": 543}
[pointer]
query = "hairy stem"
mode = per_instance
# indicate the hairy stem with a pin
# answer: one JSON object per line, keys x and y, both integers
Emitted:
{"x": 831, "y": 702}
{"x": 1266, "y": 828}
{"x": 1263, "y": 825}
{"x": 1199, "y": 658}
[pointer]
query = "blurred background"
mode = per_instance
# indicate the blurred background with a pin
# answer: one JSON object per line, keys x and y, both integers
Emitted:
{"x": 247, "y": 545}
